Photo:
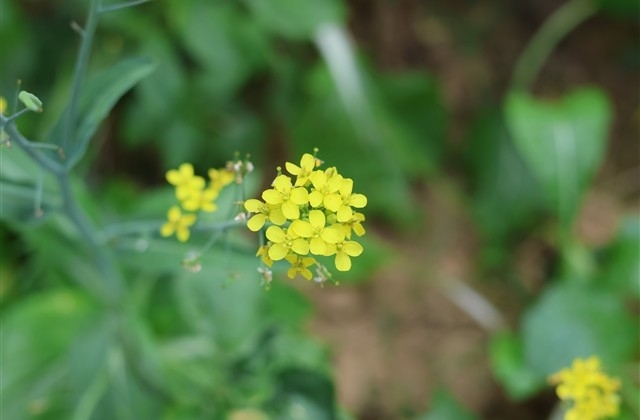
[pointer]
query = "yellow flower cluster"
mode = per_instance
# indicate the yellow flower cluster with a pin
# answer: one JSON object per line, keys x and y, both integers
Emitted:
{"x": 593, "y": 393}
{"x": 193, "y": 195}
{"x": 312, "y": 214}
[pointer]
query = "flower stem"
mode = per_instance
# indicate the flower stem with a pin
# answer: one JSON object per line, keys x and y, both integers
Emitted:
{"x": 552, "y": 31}
{"x": 82, "y": 62}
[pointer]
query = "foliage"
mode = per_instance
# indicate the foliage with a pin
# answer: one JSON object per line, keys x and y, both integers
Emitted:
{"x": 106, "y": 315}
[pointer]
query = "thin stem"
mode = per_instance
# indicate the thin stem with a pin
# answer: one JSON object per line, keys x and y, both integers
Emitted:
{"x": 43, "y": 160}
{"x": 17, "y": 114}
{"x": 121, "y": 6}
{"x": 552, "y": 31}
{"x": 82, "y": 62}
{"x": 88, "y": 232}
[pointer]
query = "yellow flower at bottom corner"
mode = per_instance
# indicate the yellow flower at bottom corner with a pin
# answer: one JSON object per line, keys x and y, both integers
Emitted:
{"x": 299, "y": 265}
{"x": 178, "y": 223}
{"x": 3, "y": 105}
{"x": 593, "y": 394}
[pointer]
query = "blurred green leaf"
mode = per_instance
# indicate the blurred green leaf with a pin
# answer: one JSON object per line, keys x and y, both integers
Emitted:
{"x": 35, "y": 336}
{"x": 304, "y": 394}
{"x": 296, "y": 19}
{"x": 100, "y": 95}
{"x": 444, "y": 406}
{"x": 573, "y": 320}
{"x": 507, "y": 197}
{"x": 562, "y": 142}
{"x": 508, "y": 365}
{"x": 621, "y": 269}
{"x": 623, "y": 9}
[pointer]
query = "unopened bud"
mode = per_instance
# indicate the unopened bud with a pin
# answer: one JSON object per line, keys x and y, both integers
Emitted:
{"x": 31, "y": 101}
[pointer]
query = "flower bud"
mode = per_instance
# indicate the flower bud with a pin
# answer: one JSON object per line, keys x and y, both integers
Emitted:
{"x": 31, "y": 101}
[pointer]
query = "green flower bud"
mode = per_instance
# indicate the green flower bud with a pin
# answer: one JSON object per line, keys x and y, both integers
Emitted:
{"x": 31, "y": 101}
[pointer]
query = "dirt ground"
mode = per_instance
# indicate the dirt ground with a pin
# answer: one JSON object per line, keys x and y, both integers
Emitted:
{"x": 400, "y": 335}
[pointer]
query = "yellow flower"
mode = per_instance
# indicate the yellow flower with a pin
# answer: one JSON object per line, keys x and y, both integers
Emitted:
{"x": 302, "y": 172}
{"x": 299, "y": 265}
{"x": 220, "y": 178}
{"x": 184, "y": 180}
{"x": 285, "y": 241}
{"x": 593, "y": 393}
{"x": 263, "y": 212}
{"x": 319, "y": 235}
{"x": 349, "y": 199}
{"x": 354, "y": 224}
{"x": 343, "y": 250}
{"x": 263, "y": 253}
{"x": 283, "y": 194}
{"x": 3, "y": 105}
{"x": 201, "y": 200}
{"x": 178, "y": 223}
{"x": 325, "y": 189}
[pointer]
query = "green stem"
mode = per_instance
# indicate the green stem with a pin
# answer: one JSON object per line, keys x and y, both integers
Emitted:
{"x": 43, "y": 160}
{"x": 552, "y": 31}
{"x": 82, "y": 62}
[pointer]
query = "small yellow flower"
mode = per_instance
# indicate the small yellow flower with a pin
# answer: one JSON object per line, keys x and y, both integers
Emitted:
{"x": 178, "y": 223}
{"x": 263, "y": 212}
{"x": 302, "y": 172}
{"x": 349, "y": 199}
{"x": 285, "y": 195}
{"x": 285, "y": 241}
{"x": 593, "y": 393}
{"x": 185, "y": 181}
{"x": 299, "y": 265}
{"x": 319, "y": 235}
{"x": 343, "y": 250}
{"x": 325, "y": 189}
{"x": 3, "y": 105}
{"x": 220, "y": 178}
{"x": 263, "y": 253}
{"x": 201, "y": 200}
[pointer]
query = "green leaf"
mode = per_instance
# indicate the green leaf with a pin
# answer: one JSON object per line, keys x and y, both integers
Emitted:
{"x": 562, "y": 142}
{"x": 621, "y": 269}
{"x": 35, "y": 336}
{"x": 296, "y": 19}
{"x": 508, "y": 365}
{"x": 444, "y": 406}
{"x": 572, "y": 320}
{"x": 304, "y": 394}
{"x": 98, "y": 98}
{"x": 502, "y": 182}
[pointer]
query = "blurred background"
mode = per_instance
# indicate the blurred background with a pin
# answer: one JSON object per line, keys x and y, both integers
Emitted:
{"x": 474, "y": 284}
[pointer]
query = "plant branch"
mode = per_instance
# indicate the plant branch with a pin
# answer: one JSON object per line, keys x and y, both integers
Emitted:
{"x": 121, "y": 6}
{"x": 69, "y": 131}
{"x": 43, "y": 160}
{"x": 552, "y": 31}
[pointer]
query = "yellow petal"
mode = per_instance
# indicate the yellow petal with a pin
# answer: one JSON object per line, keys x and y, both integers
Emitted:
{"x": 282, "y": 183}
{"x": 300, "y": 196}
{"x": 277, "y": 217}
{"x": 252, "y": 205}
{"x": 344, "y": 214}
{"x": 278, "y": 252}
{"x": 315, "y": 198}
{"x": 352, "y": 248}
{"x": 358, "y": 200}
{"x": 347, "y": 187}
{"x": 332, "y": 235}
{"x": 272, "y": 196}
{"x": 182, "y": 234}
{"x": 308, "y": 162}
{"x": 317, "y": 219}
{"x": 173, "y": 215}
{"x": 343, "y": 262}
{"x": 302, "y": 228}
{"x": 332, "y": 202}
{"x": 167, "y": 229}
{"x": 290, "y": 210}
{"x": 292, "y": 169}
{"x": 300, "y": 246}
{"x": 317, "y": 246}
{"x": 256, "y": 222}
{"x": 306, "y": 273}
{"x": 275, "y": 234}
